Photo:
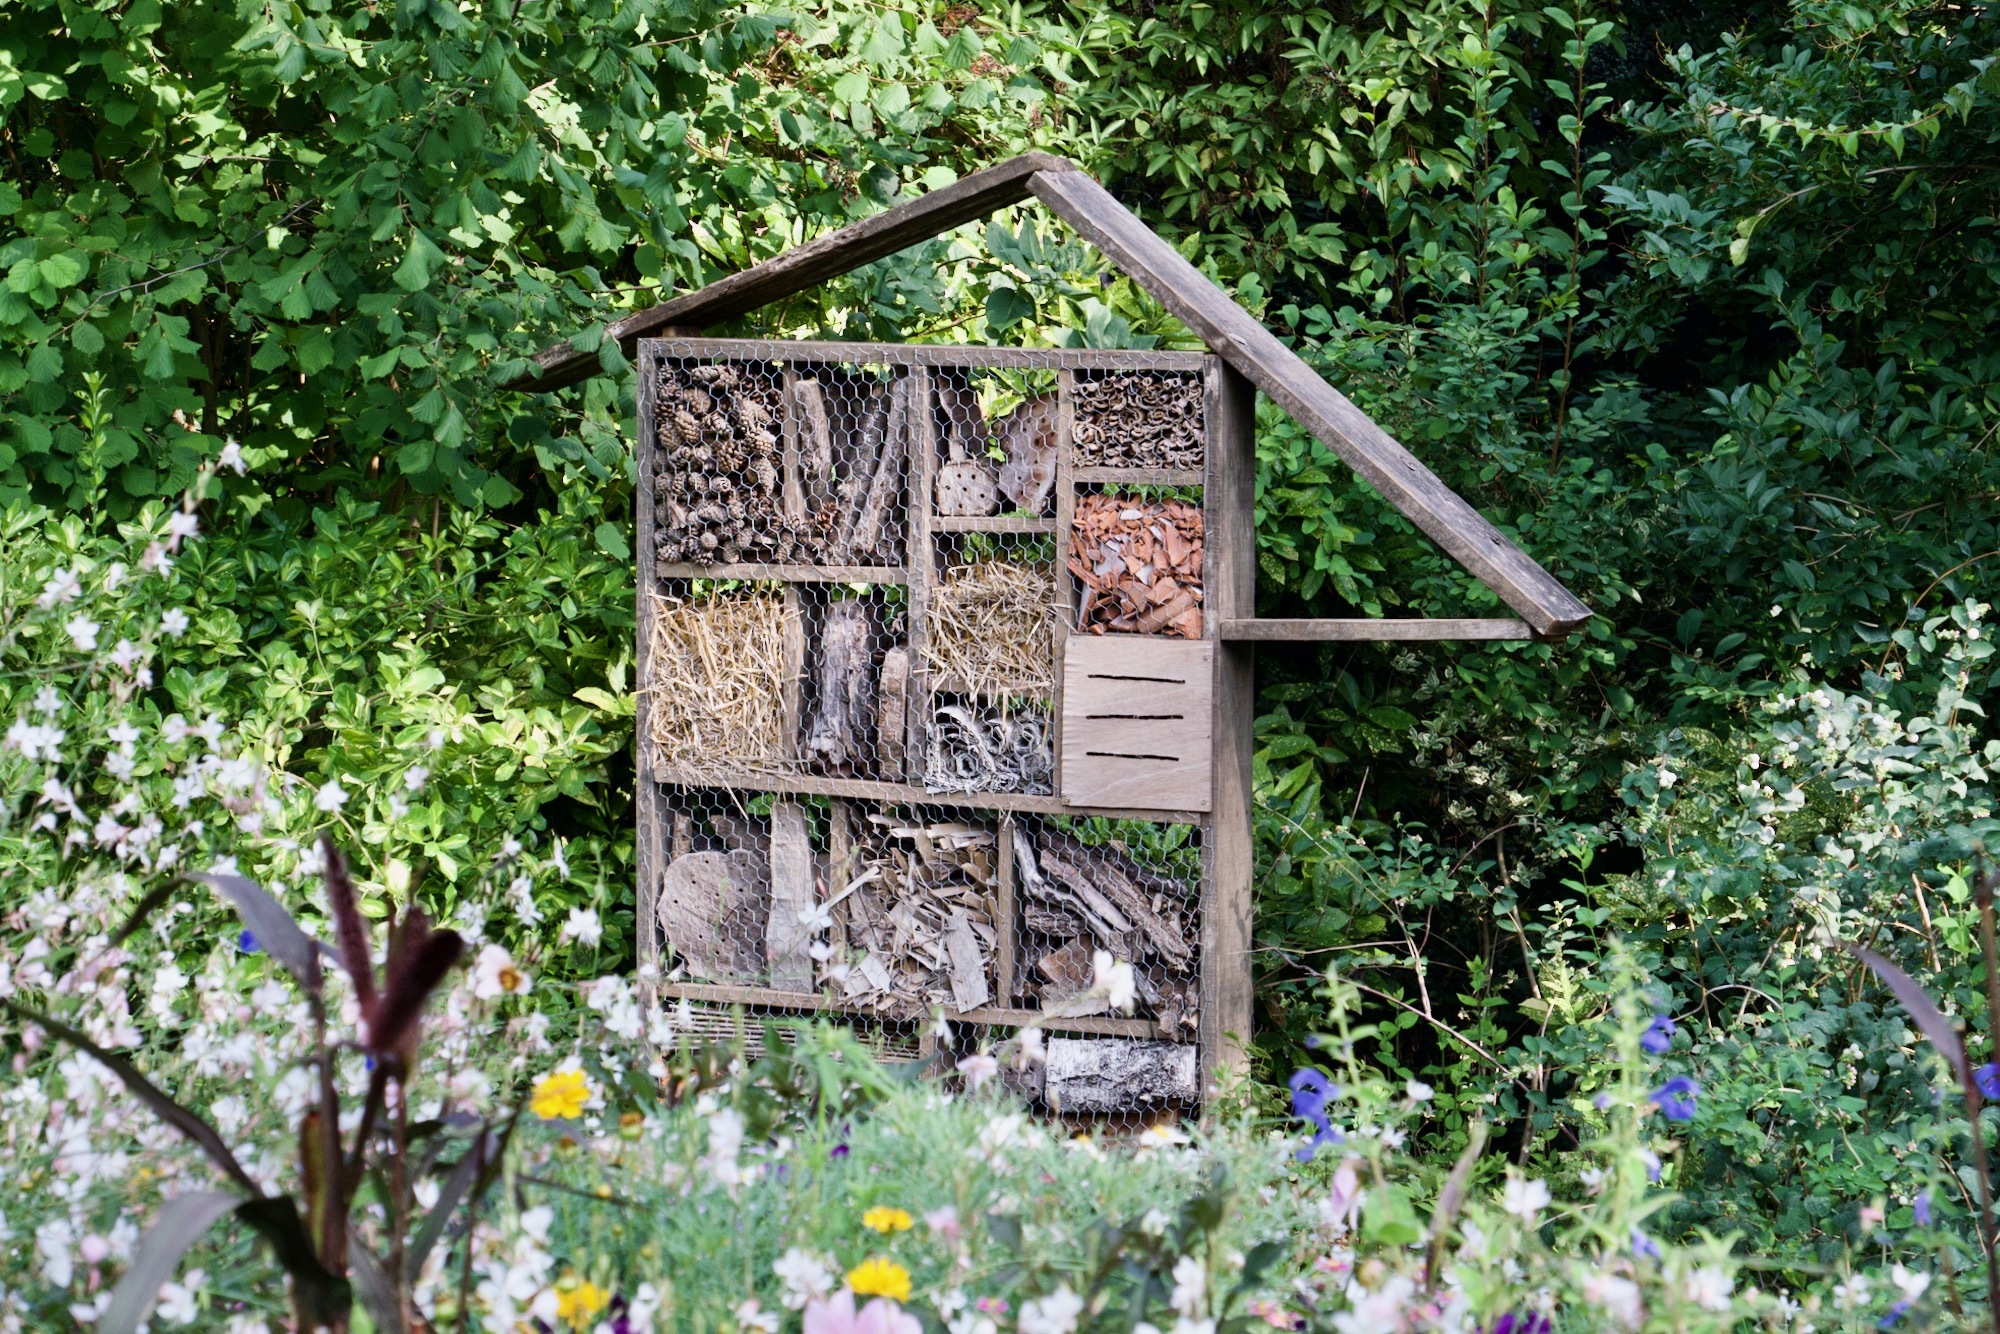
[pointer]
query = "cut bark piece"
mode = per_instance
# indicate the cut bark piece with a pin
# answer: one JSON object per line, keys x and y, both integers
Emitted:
{"x": 1028, "y": 437}
{"x": 892, "y": 712}
{"x": 1140, "y": 564}
{"x": 1111, "y": 1075}
{"x": 969, "y": 987}
{"x": 866, "y": 532}
{"x": 788, "y": 933}
{"x": 1161, "y": 936}
{"x": 843, "y": 719}
{"x": 1068, "y": 973}
{"x": 699, "y": 894}
{"x": 816, "y": 474}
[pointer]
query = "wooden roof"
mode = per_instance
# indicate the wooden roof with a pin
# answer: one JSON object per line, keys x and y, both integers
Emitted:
{"x": 1536, "y": 596}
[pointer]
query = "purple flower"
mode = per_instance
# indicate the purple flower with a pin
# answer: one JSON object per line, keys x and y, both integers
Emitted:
{"x": 1922, "y": 1208}
{"x": 1676, "y": 1098}
{"x": 1310, "y": 1091}
{"x": 1895, "y": 1313}
{"x": 1643, "y": 1246}
{"x": 1987, "y": 1077}
{"x": 1520, "y": 1322}
{"x": 1659, "y": 1035}
{"x": 247, "y": 942}
{"x": 839, "y": 1151}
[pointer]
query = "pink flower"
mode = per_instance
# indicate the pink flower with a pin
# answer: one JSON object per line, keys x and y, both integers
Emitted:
{"x": 838, "y": 1316}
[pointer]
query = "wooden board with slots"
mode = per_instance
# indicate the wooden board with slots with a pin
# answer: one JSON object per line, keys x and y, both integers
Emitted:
{"x": 945, "y": 674}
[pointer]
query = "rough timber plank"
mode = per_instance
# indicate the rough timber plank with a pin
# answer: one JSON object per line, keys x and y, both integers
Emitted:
{"x": 1371, "y": 630}
{"x": 1229, "y": 558}
{"x": 787, "y": 935}
{"x": 921, "y": 562}
{"x": 1136, "y": 721}
{"x": 896, "y": 228}
{"x": 797, "y": 574}
{"x": 652, "y": 810}
{"x": 1372, "y": 452}
{"x": 1139, "y": 476}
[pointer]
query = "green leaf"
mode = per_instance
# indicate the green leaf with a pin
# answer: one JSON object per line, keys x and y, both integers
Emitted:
{"x": 611, "y": 541}
{"x": 1007, "y": 307}
{"x": 60, "y": 271}
{"x": 419, "y": 262}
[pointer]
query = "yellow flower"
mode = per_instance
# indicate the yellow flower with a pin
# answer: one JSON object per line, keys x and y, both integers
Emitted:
{"x": 879, "y": 1276}
{"x": 578, "y": 1299}
{"x": 560, "y": 1093}
{"x": 886, "y": 1220}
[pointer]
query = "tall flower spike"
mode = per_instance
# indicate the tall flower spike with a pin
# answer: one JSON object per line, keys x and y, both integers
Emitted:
{"x": 349, "y": 929}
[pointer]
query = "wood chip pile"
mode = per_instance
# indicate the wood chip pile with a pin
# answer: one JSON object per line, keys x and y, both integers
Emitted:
{"x": 913, "y": 928}
{"x": 1077, "y": 900}
{"x": 718, "y": 475}
{"x": 976, "y": 747}
{"x": 1137, "y": 420}
{"x": 1139, "y": 563}
{"x": 717, "y": 683}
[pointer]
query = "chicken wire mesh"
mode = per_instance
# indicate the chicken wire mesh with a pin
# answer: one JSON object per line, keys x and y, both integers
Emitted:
{"x": 861, "y": 567}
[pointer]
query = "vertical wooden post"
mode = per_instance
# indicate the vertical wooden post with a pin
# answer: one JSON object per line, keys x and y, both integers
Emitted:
{"x": 1004, "y": 925}
{"x": 1065, "y": 584}
{"x": 919, "y": 565}
{"x": 1229, "y": 567}
{"x": 651, "y": 803}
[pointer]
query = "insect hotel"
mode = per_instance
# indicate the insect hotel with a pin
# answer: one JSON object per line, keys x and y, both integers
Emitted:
{"x": 945, "y": 657}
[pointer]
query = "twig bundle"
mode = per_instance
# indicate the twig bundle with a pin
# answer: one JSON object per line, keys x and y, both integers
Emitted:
{"x": 718, "y": 683}
{"x": 991, "y": 630}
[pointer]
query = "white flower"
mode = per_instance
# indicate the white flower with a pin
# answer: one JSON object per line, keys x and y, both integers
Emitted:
{"x": 1378, "y": 1312}
{"x": 177, "y": 1302}
{"x": 1419, "y": 1091}
{"x": 495, "y": 974}
{"x": 1154, "y": 1224}
{"x": 173, "y": 623}
{"x": 1852, "y": 1293}
{"x": 180, "y": 526}
{"x": 83, "y": 632}
{"x": 1592, "y": 1179}
{"x": 978, "y": 1068}
{"x": 1616, "y": 1297}
{"x": 1912, "y": 1285}
{"x": 1030, "y": 1048}
{"x": 414, "y": 776}
{"x": 972, "y": 1322}
{"x": 331, "y": 796}
{"x": 806, "y": 1277}
{"x": 1525, "y": 1199}
{"x": 1114, "y": 981}
{"x": 1053, "y": 1314}
{"x": 63, "y": 586}
{"x": 52, "y": 1242}
{"x": 1668, "y": 777}
{"x": 231, "y": 458}
{"x": 47, "y": 701}
{"x": 1709, "y": 1288}
{"x": 1190, "y": 1286}
{"x": 583, "y": 925}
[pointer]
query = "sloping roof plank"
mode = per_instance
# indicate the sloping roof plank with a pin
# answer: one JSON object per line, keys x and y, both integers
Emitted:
{"x": 1536, "y": 595}
{"x": 895, "y": 228}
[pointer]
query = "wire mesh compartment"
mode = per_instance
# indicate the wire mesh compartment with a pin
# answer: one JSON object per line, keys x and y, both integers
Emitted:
{"x": 860, "y": 606}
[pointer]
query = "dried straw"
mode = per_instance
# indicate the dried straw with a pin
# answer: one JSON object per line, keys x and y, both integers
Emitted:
{"x": 717, "y": 683}
{"x": 992, "y": 629}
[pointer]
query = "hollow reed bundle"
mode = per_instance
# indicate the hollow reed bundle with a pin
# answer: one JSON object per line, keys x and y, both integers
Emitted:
{"x": 991, "y": 629}
{"x": 718, "y": 683}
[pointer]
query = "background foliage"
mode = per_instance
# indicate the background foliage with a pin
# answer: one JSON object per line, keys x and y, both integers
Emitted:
{"x": 1697, "y": 300}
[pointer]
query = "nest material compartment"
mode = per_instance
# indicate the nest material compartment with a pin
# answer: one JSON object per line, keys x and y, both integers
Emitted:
{"x": 917, "y": 917}
{"x": 1140, "y": 565}
{"x": 1145, "y": 419}
{"x": 991, "y": 629}
{"x": 718, "y": 478}
{"x": 717, "y": 684}
{"x": 977, "y": 747}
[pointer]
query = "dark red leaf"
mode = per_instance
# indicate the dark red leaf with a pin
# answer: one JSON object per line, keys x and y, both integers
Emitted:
{"x": 391, "y": 1021}
{"x": 348, "y": 927}
{"x": 1914, "y": 999}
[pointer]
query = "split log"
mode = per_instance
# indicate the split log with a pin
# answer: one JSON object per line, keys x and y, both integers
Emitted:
{"x": 788, "y": 933}
{"x": 922, "y": 915}
{"x": 816, "y": 473}
{"x": 969, "y": 988}
{"x": 892, "y": 705}
{"x": 1110, "y": 1075}
{"x": 838, "y": 739}
{"x": 1162, "y": 936}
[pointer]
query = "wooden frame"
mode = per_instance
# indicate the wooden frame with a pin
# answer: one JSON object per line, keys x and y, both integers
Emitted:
{"x": 1243, "y": 359}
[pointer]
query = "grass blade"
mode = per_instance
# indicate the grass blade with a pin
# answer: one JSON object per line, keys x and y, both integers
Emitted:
{"x": 182, "y": 1222}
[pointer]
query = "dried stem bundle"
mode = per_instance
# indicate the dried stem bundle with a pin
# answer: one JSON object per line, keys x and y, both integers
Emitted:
{"x": 718, "y": 683}
{"x": 992, "y": 630}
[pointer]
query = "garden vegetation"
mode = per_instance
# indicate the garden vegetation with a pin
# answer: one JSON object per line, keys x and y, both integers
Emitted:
{"x": 1559, "y": 1025}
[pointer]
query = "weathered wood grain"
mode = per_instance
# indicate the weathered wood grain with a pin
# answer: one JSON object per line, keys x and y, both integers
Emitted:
{"x": 1371, "y": 630}
{"x": 895, "y": 228}
{"x": 1136, "y": 722}
{"x": 787, "y": 938}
